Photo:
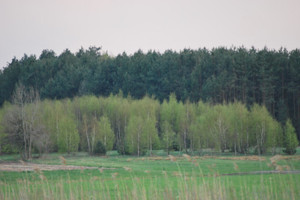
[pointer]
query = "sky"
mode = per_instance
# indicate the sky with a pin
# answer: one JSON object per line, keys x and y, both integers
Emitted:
{"x": 29, "y": 26}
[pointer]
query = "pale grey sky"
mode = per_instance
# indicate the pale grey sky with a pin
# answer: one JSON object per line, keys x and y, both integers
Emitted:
{"x": 29, "y": 26}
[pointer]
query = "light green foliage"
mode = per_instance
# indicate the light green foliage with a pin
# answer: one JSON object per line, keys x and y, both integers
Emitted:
{"x": 276, "y": 139}
{"x": 140, "y": 125}
{"x": 238, "y": 117}
{"x": 170, "y": 112}
{"x": 117, "y": 109}
{"x": 290, "y": 139}
{"x": 203, "y": 129}
{"x": 150, "y": 115}
{"x": 51, "y": 112}
{"x": 150, "y": 132}
{"x": 141, "y": 132}
{"x": 186, "y": 117}
{"x": 105, "y": 133}
{"x": 221, "y": 125}
{"x": 136, "y": 142}
{"x": 87, "y": 109}
{"x": 168, "y": 136}
{"x": 262, "y": 129}
{"x": 67, "y": 133}
{"x": 198, "y": 133}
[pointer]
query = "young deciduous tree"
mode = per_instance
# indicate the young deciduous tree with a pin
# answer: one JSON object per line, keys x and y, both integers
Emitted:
{"x": 136, "y": 143}
{"x": 168, "y": 136}
{"x": 68, "y": 137}
{"x": 89, "y": 129}
{"x": 105, "y": 133}
{"x": 186, "y": 117}
{"x": 238, "y": 117}
{"x": 290, "y": 138}
{"x": 21, "y": 121}
{"x": 262, "y": 129}
{"x": 221, "y": 125}
{"x": 198, "y": 133}
{"x": 150, "y": 132}
{"x": 2, "y": 130}
{"x": 169, "y": 112}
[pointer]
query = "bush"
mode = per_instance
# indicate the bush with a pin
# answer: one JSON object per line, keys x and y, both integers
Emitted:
{"x": 100, "y": 149}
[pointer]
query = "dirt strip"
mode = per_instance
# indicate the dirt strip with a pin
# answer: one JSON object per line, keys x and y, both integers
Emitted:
{"x": 18, "y": 167}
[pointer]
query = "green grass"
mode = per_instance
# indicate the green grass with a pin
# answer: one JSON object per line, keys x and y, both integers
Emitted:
{"x": 151, "y": 178}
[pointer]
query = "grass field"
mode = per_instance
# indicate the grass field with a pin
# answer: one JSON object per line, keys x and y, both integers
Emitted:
{"x": 156, "y": 177}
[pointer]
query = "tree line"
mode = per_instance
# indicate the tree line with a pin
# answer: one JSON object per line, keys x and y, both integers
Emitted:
{"x": 137, "y": 126}
{"x": 221, "y": 75}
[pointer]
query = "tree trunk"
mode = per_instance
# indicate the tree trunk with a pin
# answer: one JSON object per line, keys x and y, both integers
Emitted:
{"x": 150, "y": 146}
{"x": 88, "y": 141}
{"x": 184, "y": 140}
{"x": 138, "y": 144}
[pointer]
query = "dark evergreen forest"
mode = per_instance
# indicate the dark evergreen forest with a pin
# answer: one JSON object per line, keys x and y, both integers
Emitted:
{"x": 221, "y": 75}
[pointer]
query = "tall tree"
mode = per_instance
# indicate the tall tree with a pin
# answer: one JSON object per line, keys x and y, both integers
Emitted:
{"x": 290, "y": 138}
{"x": 136, "y": 143}
{"x": 262, "y": 133}
{"x": 105, "y": 135}
{"x": 168, "y": 136}
{"x": 68, "y": 137}
{"x": 21, "y": 120}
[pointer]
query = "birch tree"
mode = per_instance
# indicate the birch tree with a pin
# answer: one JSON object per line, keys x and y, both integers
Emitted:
{"x": 105, "y": 133}
{"x": 21, "y": 120}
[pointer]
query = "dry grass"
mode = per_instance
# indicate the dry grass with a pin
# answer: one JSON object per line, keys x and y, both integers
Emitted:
{"x": 42, "y": 177}
{"x": 278, "y": 168}
{"x": 172, "y": 158}
{"x": 277, "y": 158}
{"x": 22, "y": 162}
{"x": 39, "y": 167}
{"x": 235, "y": 166}
{"x": 156, "y": 158}
{"x": 101, "y": 170}
{"x": 127, "y": 168}
{"x": 286, "y": 167}
{"x": 94, "y": 178}
{"x": 195, "y": 163}
{"x": 187, "y": 157}
{"x": 114, "y": 175}
{"x": 63, "y": 160}
{"x": 176, "y": 174}
{"x": 253, "y": 158}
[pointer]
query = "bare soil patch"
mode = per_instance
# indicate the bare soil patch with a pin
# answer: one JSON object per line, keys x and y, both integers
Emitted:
{"x": 20, "y": 167}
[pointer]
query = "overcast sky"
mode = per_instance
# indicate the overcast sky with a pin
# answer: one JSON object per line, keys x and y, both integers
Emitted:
{"x": 29, "y": 26}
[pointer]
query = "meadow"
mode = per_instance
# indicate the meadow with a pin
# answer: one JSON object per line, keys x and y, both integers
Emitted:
{"x": 178, "y": 176}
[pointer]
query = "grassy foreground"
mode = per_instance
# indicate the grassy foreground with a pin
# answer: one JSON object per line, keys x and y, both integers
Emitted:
{"x": 157, "y": 177}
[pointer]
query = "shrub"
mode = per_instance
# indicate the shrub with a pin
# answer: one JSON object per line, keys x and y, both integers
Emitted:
{"x": 99, "y": 148}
